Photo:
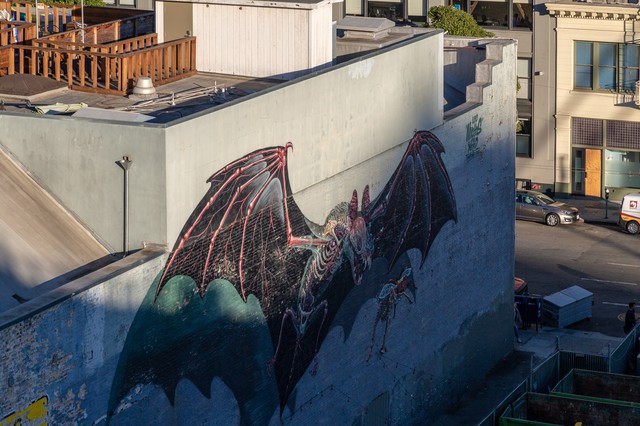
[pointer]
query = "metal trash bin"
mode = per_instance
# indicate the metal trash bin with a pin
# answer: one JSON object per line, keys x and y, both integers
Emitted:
{"x": 566, "y": 307}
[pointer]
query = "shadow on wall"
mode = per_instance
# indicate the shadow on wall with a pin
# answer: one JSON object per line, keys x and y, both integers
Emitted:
{"x": 249, "y": 237}
{"x": 16, "y": 291}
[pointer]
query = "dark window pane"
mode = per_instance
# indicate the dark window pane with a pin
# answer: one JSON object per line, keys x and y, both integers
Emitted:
{"x": 523, "y": 138}
{"x": 629, "y": 78}
{"x": 583, "y": 76}
{"x": 522, "y": 15}
{"x": 523, "y": 145}
{"x": 490, "y": 13}
{"x": 607, "y": 78}
{"x": 607, "y": 54}
{"x": 630, "y": 55}
{"x": 583, "y": 53}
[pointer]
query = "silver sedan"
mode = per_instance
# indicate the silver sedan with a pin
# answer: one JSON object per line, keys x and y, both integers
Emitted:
{"x": 536, "y": 206}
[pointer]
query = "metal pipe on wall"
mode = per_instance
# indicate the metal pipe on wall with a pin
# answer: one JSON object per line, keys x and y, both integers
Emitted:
{"x": 125, "y": 163}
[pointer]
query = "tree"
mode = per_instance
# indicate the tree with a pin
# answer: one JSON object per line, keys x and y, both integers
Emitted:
{"x": 455, "y": 22}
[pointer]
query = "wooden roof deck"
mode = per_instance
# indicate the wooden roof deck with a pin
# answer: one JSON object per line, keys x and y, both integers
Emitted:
{"x": 104, "y": 57}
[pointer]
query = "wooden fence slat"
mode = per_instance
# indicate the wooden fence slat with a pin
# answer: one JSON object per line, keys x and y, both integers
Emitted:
{"x": 33, "y": 65}
{"x": 157, "y": 65}
{"x": 56, "y": 58}
{"x": 81, "y": 69}
{"x": 107, "y": 72}
{"x": 46, "y": 18}
{"x": 166, "y": 52}
{"x": 94, "y": 69}
{"x": 124, "y": 62}
{"x": 45, "y": 63}
{"x": 70, "y": 57}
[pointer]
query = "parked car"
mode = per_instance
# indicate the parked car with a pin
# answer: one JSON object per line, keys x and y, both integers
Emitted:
{"x": 536, "y": 206}
{"x": 629, "y": 217}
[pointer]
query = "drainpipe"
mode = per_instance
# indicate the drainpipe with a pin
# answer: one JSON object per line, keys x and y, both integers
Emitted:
{"x": 125, "y": 163}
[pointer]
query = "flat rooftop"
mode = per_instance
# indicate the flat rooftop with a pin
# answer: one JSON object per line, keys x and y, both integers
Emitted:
{"x": 39, "y": 95}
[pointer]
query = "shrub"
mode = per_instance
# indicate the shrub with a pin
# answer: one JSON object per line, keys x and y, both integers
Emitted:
{"x": 455, "y": 22}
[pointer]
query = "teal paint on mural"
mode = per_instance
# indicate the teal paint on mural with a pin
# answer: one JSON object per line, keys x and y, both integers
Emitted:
{"x": 181, "y": 325}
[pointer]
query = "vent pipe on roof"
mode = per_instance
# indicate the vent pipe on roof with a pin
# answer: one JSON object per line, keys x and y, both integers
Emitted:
{"x": 143, "y": 89}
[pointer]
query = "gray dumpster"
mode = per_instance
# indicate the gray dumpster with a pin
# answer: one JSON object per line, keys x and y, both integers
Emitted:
{"x": 566, "y": 307}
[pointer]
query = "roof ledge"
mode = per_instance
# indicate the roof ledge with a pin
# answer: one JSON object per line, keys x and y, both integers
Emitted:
{"x": 365, "y": 28}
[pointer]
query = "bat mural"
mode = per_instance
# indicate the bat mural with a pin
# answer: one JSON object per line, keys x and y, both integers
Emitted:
{"x": 251, "y": 288}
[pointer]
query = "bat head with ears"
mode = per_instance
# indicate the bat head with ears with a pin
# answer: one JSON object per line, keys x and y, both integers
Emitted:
{"x": 360, "y": 246}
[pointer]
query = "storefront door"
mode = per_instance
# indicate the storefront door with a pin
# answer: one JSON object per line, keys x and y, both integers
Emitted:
{"x": 593, "y": 172}
{"x": 587, "y": 171}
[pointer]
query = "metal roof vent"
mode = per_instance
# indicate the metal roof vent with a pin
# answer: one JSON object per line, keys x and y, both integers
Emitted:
{"x": 144, "y": 89}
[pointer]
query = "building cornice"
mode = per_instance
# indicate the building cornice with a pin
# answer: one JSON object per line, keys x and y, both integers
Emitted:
{"x": 278, "y": 4}
{"x": 583, "y": 10}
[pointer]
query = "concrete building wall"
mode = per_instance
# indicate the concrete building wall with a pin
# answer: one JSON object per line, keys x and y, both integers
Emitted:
{"x": 335, "y": 120}
{"x": 75, "y": 159}
{"x": 541, "y": 167}
{"x": 115, "y": 348}
{"x": 59, "y": 350}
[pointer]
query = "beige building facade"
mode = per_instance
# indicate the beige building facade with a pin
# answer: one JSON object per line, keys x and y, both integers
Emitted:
{"x": 597, "y": 119}
{"x": 578, "y": 126}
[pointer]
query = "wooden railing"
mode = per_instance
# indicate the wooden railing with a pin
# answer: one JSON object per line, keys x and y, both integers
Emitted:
{"x": 108, "y": 32}
{"x": 15, "y": 32}
{"x": 56, "y": 18}
{"x": 53, "y": 18}
{"x": 101, "y": 72}
{"x": 121, "y": 46}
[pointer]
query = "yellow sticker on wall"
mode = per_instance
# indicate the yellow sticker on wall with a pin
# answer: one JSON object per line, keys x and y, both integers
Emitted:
{"x": 34, "y": 415}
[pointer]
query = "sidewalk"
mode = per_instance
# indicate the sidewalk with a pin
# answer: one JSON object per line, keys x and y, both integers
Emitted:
{"x": 593, "y": 209}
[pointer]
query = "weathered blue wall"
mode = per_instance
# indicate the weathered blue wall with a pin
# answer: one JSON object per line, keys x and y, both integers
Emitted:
{"x": 63, "y": 362}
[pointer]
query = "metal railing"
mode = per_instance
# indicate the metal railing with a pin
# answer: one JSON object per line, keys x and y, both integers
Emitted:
{"x": 545, "y": 376}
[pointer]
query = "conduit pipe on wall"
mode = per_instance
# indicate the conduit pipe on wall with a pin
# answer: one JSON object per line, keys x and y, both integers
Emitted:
{"x": 125, "y": 163}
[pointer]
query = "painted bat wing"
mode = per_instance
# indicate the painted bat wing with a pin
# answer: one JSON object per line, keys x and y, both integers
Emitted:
{"x": 240, "y": 230}
{"x": 416, "y": 202}
{"x": 236, "y": 238}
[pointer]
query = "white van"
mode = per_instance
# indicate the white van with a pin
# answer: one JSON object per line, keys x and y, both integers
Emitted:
{"x": 630, "y": 213}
